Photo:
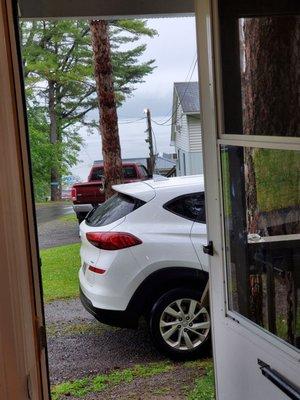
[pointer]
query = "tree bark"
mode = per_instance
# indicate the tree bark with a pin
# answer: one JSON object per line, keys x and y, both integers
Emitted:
{"x": 272, "y": 76}
{"x": 270, "y": 89}
{"x": 55, "y": 174}
{"x": 111, "y": 149}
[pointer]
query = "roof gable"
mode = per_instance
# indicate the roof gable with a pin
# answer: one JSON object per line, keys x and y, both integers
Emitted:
{"x": 188, "y": 95}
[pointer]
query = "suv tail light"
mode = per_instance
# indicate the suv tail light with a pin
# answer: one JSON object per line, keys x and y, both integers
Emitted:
{"x": 73, "y": 194}
{"x": 112, "y": 240}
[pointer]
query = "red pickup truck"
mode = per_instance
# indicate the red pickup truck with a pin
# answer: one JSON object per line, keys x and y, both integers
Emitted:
{"x": 88, "y": 194}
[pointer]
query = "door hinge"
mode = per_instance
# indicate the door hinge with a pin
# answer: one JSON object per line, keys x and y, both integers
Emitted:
{"x": 29, "y": 387}
{"x": 42, "y": 337}
{"x": 209, "y": 248}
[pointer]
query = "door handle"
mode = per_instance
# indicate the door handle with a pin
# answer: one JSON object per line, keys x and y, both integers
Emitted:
{"x": 209, "y": 248}
{"x": 278, "y": 380}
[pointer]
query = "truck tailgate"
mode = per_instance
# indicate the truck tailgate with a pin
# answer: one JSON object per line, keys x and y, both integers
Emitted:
{"x": 89, "y": 192}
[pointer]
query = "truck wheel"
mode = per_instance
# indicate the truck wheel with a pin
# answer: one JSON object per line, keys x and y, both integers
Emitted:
{"x": 180, "y": 324}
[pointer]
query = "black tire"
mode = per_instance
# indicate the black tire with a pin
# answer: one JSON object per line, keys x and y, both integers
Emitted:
{"x": 202, "y": 347}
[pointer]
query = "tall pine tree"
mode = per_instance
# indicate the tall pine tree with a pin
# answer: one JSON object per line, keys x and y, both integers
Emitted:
{"x": 60, "y": 83}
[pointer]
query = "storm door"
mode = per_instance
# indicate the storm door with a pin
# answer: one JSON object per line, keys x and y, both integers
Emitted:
{"x": 251, "y": 122}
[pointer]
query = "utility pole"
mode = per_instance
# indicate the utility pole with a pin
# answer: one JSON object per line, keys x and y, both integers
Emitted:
{"x": 150, "y": 141}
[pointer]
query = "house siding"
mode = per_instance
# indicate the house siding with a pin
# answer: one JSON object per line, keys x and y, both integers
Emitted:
{"x": 182, "y": 137}
{"x": 189, "y": 163}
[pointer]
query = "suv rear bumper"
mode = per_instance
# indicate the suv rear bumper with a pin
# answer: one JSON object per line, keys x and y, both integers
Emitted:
{"x": 123, "y": 319}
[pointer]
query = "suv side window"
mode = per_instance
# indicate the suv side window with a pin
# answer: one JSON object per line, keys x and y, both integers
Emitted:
{"x": 190, "y": 206}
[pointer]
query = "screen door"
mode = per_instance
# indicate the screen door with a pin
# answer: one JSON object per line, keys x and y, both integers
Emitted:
{"x": 250, "y": 84}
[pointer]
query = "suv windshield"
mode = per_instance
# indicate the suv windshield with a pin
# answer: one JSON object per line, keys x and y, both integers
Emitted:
{"x": 113, "y": 209}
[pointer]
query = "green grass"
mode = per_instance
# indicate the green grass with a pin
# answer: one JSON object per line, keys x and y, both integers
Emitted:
{"x": 50, "y": 203}
{"x": 60, "y": 267}
{"x": 96, "y": 384}
{"x": 205, "y": 385}
{"x": 68, "y": 217}
{"x": 67, "y": 329}
{"x": 277, "y": 179}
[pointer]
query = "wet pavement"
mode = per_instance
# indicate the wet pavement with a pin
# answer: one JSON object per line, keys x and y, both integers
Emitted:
{"x": 53, "y": 230}
{"x": 50, "y": 211}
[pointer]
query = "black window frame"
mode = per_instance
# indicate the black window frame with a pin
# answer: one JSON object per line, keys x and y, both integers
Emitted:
{"x": 165, "y": 206}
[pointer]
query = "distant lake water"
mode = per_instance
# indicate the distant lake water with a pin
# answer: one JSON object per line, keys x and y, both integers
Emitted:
{"x": 132, "y": 136}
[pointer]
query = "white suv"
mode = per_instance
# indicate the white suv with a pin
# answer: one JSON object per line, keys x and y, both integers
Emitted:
{"x": 142, "y": 256}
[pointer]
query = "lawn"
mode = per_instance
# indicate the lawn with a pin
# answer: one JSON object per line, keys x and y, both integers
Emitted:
{"x": 60, "y": 267}
{"x": 68, "y": 217}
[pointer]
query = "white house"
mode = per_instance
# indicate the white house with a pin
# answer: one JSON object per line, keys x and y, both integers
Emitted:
{"x": 186, "y": 128}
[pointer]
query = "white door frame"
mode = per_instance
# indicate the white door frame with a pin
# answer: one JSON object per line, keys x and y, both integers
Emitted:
{"x": 213, "y": 135}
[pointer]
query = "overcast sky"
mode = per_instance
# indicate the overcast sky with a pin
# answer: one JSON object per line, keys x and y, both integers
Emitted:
{"x": 174, "y": 51}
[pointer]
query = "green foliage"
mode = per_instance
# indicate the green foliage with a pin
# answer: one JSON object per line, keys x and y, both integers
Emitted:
{"x": 60, "y": 267}
{"x": 82, "y": 387}
{"x": 41, "y": 152}
{"x": 60, "y": 86}
{"x": 277, "y": 178}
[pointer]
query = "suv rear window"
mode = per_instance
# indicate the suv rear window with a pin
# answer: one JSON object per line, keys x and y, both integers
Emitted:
{"x": 190, "y": 206}
{"x": 113, "y": 209}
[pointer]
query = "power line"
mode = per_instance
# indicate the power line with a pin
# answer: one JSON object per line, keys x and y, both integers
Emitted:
{"x": 179, "y": 102}
{"x": 131, "y": 122}
{"x": 186, "y": 78}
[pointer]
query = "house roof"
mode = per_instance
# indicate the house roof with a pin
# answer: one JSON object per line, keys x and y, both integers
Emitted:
{"x": 188, "y": 94}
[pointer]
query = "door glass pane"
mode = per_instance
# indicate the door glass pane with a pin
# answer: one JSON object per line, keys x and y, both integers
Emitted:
{"x": 261, "y": 64}
{"x": 261, "y": 195}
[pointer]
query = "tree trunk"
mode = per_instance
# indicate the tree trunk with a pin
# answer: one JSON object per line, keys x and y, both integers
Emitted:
{"x": 272, "y": 76}
{"x": 55, "y": 174}
{"x": 111, "y": 149}
{"x": 270, "y": 89}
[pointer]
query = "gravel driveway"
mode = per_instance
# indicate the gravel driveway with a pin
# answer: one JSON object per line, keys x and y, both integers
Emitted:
{"x": 81, "y": 347}
{"x": 78, "y": 345}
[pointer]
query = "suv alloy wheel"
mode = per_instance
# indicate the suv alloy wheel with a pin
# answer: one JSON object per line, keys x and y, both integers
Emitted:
{"x": 180, "y": 324}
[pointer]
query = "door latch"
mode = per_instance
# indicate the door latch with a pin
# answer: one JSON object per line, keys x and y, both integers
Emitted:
{"x": 209, "y": 248}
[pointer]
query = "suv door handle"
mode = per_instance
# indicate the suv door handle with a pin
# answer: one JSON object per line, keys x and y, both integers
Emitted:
{"x": 209, "y": 248}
